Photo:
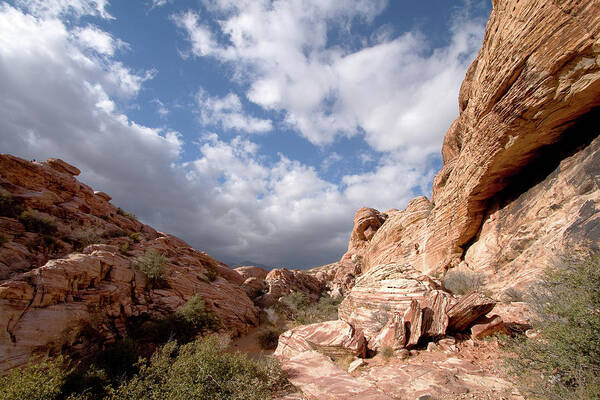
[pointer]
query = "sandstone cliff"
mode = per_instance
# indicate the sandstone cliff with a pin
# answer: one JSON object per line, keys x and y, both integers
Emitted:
{"x": 68, "y": 275}
{"x": 521, "y": 163}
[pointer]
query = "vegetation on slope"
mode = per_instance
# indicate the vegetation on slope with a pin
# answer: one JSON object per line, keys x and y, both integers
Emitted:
{"x": 563, "y": 360}
{"x": 197, "y": 370}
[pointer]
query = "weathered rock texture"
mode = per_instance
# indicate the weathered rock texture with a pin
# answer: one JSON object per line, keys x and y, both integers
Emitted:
{"x": 282, "y": 281}
{"x": 335, "y": 338}
{"x": 521, "y": 162}
{"x": 77, "y": 272}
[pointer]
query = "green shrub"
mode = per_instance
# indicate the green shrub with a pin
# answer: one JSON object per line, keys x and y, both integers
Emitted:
{"x": 124, "y": 249}
{"x": 195, "y": 313}
{"x": 40, "y": 380}
{"x": 296, "y": 301}
{"x": 387, "y": 352}
{"x": 463, "y": 282}
{"x": 298, "y": 307}
{"x": 268, "y": 338}
{"x": 202, "y": 370}
{"x": 563, "y": 361}
{"x": 9, "y": 207}
{"x": 152, "y": 264}
{"x": 135, "y": 237}
{"x": 35, "y": 223}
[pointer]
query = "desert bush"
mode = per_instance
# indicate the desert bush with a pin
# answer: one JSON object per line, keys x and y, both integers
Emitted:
{"x": 135, "y": 237}
{"x": 3, "y": 239}
{"x": 152, "y": 264}
{"x": 563, "y": 361}
{"x": 34, "y": 223}
{"x": 9, "y": 207}
{"x": 513, "y": 295}
{"x": 298, "y": 307}
{"x": 296, "y": 301}
{"x": 125, "y": 214}
{"x": 202, "y": 370}
{"x": 268, "y": 338}
{"x": 195, "y": 313}
{"x": 463, "y": 282}
{"x": 124, "y": 249}
{"x": 39, "y": 380}
{"x": 46, "y": 243}
{"x": 83, "y": 238}
{"x": 387, "y": 352}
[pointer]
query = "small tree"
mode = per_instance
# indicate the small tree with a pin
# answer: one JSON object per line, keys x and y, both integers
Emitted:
{"x": 563, "y": 360}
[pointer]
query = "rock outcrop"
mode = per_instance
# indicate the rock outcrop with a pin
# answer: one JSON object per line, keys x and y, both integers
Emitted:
{"x": 68, "y": 267}
{"x": 282, "y": 281}
{"x": 334, "y": 338}
{"x": 519, "y": 182}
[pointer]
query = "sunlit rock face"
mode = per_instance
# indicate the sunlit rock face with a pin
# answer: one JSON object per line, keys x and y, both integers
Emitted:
{"x": 72, "y": 283}
{"x": 521, "y": 168}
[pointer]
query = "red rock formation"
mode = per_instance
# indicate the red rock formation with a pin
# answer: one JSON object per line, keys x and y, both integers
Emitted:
{"x": 282, "y": 281}
{"x": 520, "y": 160}
{"x": 51, "y": 294}
{"x": 334, "y": 338}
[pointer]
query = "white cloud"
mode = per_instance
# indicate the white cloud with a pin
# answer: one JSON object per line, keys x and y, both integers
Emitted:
{"x": 55, "y": 8}
{"x": 58, "y": 93}
{"x": 98, "y": 40}
{"x": 162, "y": 110}
{"x": 397, "y": 91}
{"x": 227, "y": 112}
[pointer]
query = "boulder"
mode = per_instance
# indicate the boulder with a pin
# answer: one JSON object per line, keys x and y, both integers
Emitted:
{"x": 467, "y": 310}
{"x": 333, "y": 338}
{"x": 487, "y": 326}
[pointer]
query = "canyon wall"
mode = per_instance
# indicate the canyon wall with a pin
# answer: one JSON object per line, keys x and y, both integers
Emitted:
{"x": 521, "y": 169}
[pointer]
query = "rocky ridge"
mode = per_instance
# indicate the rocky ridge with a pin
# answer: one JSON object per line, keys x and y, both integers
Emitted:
{"x": 69, "y": 279}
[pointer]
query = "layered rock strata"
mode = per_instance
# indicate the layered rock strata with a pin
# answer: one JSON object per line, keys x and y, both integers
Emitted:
{"x": 519, "y": 183}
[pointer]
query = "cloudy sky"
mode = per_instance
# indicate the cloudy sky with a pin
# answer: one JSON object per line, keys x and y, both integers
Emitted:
{"x": 253, "y": 129}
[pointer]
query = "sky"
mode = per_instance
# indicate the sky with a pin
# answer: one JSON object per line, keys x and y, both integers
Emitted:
{"x": 252, "y": 129}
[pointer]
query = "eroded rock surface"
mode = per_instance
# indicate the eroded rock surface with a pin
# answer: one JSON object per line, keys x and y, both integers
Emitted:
{"x": 520, "y": 176}
{"x": 333, "y": 338}
{"x": 76, "y": 272}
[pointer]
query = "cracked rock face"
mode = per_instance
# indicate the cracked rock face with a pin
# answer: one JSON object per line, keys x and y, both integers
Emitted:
{"x": 81, "y": 274}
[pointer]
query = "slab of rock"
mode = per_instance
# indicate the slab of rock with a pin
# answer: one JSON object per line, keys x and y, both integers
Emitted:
{"x": 467, "y": 310}
{"x": 61, "y": 166}
{"x": 335, "y": 338}
{"x": 102, "y": 195}
{"x": 250, "y": 271}
{"x": 320, "y": 379}
{"x": 487, "y": 326}
{"x": 354, "y": 365}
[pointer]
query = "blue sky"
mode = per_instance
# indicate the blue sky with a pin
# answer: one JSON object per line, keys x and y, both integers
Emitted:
{"x": 251, "y": 129}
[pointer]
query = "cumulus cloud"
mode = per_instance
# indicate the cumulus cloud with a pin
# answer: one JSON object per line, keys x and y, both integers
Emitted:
{"x": 227, "y": 112}
{"x": 398, "y": 92}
